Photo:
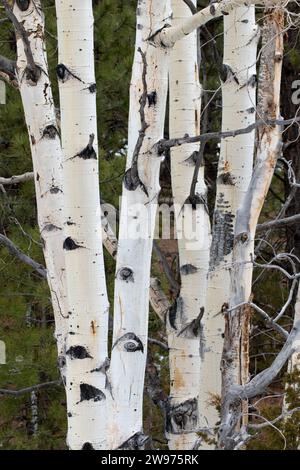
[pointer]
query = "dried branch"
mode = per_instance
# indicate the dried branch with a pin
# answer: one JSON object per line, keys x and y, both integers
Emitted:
{"x": 17, "y": 393}
{"x": 17, "y": 179}
{"x": 8, "y": 71}
{"x": 294, "y": 219}
{"x": 165, "y": 144}
{"x": 14, "y": 250}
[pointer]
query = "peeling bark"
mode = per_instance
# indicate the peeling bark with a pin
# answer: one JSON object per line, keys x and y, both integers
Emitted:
{"x": 234, "y": 174}
{"x": 269, "y": 148}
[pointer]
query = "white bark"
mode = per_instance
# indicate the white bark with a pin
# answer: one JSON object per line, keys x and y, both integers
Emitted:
{"x": 294, "y": 362}
{"x": 168, "y": 36}
{"x": 269, "y": 147}
{"x": 193, "y": 233}
{"x": 46, "y": 158}
{"x": 234, "y": 174}
{"x": 87, "y": 362}
{"x": 148, "y": 93}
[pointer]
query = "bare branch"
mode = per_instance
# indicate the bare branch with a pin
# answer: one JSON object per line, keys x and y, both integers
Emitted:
{"x": 14, "y": 250}
{"x": 158, "y": 343}
{"x": 274, "y": 421}
{"x": 17, "y": 179}
{"x": 8, "y": 71}
{"x": 17, "y": 393}
{"x": 163, "y": 144}
{"x": 294, "y": 219}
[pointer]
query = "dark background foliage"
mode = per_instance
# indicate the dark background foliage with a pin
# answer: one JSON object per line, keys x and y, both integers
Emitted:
{"x": 26, "y": 319}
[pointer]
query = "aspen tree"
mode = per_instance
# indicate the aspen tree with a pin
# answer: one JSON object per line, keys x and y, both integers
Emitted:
{"x": 36, "y": 94}
{"x": 268, "y": 151}
{"x": 238, "y": 78}
{"x": 148, "y": 93}
{"x": 87, "y": 363}
{"x": 193, "y": 233}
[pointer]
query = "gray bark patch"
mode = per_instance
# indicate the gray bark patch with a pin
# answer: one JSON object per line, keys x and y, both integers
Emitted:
{"x": 176, "y": 312}
{"x": 187, "y": 269}
{"x": 50, "y": 132}
{"x": 51, "y": 228}
{"x": 88, "y": 153}
{"x": 223, "y": 237}
{"x": 193, "y": 329}
{"x": 136, "y": 442}
{"x": 182, "y": 417}
{"x": 130, "y": 342}
{"x": 78, "y": 352}
{"x": 192, "y": 159}
{"x": 89, "y": 392}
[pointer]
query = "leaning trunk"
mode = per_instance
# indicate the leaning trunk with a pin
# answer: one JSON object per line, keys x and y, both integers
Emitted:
{"x": 36, "y": 94}
{"x": 87, "y": 361}
{"x": 238, "y": 76}
{"x": 193, "y": 234}
{"x": 269, "y": 147}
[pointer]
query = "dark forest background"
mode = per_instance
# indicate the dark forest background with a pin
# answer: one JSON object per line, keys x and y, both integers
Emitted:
{"x": 26, "y": 318}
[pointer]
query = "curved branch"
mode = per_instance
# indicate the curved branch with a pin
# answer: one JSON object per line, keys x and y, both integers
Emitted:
{"x": 14, "y": 250}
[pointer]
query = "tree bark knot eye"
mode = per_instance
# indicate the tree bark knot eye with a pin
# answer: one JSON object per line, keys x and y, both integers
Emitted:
{"x": 23, "y": 5}
{"x": 125, "y": 274}
{"x": 130, "y": 343}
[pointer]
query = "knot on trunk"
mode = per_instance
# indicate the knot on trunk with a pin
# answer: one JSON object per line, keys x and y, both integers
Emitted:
{"x": 130, "y": 343}
{"x": 182, "y": 417}
{"x": 136, "y": 442}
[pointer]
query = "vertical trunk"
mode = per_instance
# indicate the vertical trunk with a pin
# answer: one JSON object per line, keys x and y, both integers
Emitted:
{"x": 148, "y": 93}
{"x": 87, "y": 362}
{"x": 35, "y": 89}
{"x": 238, "y": 76}
{"x": 193, "y": 233}
{"x": 269, "y": 147}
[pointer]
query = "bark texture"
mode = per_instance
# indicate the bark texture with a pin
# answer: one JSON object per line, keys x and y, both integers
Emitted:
{"x": 238, "y": 78}
{"x": 269, "y": 148}
{"x": 36, "y": 94}
{"x": 148, "y": 92}
{"x": 87, "y": 363}
{"x": 193, "y": 232}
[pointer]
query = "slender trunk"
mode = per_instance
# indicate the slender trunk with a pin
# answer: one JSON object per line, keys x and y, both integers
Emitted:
{"x": 46, "y": 154}
{"x": 148, "y": 93}
{"x": 193, "y": 233}
{"x": 238, "y": 77}
{"x": 269, "y": 148}
{"x": 87, "y": 361}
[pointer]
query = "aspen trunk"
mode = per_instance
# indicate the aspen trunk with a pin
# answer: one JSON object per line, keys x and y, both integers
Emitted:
{"x": 238, "y": 76}
{"x": 148, "y": 91}
{"x": 36, "y": 94}
{"x": 269, "y": 147}
{"x": 193, "y": 233}
{"x": 87, "y": 363}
